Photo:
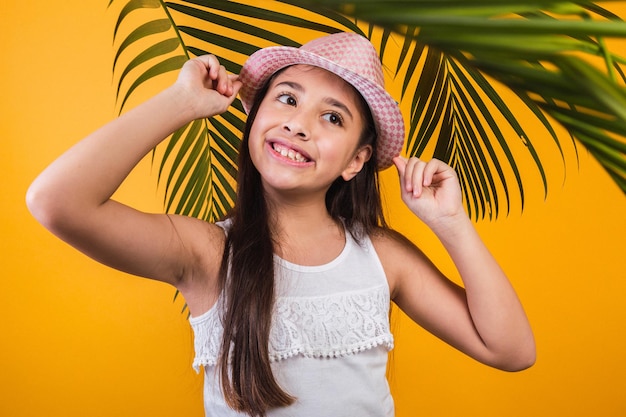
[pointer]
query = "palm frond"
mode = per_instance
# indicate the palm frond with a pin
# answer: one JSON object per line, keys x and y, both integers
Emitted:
{"x": 449, "y": 58}
{"x": 552, "y": 54}
{"x": 199, "y": 163}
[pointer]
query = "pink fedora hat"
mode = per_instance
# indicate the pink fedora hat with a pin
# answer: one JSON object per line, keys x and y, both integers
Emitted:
{"x": 351, "y": 57}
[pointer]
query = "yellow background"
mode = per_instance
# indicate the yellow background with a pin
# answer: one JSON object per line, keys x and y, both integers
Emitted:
{"x": 78, "y": 339}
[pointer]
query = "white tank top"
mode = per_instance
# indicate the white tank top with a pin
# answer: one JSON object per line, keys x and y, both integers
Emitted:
{"x": 328, "y": 342}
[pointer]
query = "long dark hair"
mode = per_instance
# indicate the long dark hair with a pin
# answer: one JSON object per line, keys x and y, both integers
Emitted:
{"x": 247, "y": 269}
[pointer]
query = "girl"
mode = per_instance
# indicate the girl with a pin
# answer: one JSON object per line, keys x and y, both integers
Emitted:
{"x": 289, "y": 296}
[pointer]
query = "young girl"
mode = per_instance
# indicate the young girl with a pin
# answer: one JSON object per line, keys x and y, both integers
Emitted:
{"x": 289, "y": 296}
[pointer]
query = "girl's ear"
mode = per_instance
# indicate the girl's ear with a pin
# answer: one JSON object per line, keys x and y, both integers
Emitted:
{"x": 360, "y": 158}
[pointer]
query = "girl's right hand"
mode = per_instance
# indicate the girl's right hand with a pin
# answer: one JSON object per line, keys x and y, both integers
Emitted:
{"x": 206, "y": 86}
{"x": 72, "y": 197}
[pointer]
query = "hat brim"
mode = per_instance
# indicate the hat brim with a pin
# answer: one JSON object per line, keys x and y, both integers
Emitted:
{"x": 385, "y": 111}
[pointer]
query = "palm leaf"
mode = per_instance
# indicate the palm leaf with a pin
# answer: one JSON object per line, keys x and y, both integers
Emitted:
{"x": 199, "y": 163}
{"x": 548, "y": 62}
{"x": 448, "y": 57}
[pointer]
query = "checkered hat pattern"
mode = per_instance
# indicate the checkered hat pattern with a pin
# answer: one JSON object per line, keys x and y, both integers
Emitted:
{"x": 351, "y": 57}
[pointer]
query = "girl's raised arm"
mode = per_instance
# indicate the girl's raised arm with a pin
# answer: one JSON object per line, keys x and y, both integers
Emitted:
{"x": 72, "y": 196}
{"x": 485, "y": 319}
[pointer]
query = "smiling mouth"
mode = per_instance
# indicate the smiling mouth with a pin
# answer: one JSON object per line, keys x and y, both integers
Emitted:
{"x": 289, "y": 153}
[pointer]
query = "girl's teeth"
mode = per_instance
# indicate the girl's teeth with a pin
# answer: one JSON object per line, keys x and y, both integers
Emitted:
{"x": 289, "y": 153}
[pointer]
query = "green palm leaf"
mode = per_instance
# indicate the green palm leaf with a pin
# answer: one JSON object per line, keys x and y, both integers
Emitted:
{"x": 546, "y": 60}
{"x": 199, "y": 163}
{"x": 445, "y": 55}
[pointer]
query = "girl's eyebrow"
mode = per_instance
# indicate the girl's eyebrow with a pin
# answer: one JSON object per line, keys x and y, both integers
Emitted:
{"x": 292, "y": 84}
{"x": 328, "y": 100}
{"x": 336, "y": 103}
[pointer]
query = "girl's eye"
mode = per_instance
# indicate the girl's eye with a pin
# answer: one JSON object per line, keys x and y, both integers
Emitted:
{"x": 334, "y": 118}
{"x": 287, "y": 99}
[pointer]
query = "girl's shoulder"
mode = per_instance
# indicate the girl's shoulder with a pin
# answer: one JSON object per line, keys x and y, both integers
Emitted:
{"x": 388, "y": 238}
{"x": 393, "y": 247}
{"x": 399, "y": 256}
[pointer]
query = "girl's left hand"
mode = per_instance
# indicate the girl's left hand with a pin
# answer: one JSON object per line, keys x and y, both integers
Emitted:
{"x": 430, "y": 189}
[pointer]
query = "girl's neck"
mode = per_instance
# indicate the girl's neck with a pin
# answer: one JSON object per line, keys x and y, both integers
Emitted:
{"x": 305, "y": 233}
{"x": 300, "y": 219}
{"x": 297, "y": 212}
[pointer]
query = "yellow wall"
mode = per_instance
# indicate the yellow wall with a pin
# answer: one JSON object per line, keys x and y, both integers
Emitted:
{"x": 78, "y": 339}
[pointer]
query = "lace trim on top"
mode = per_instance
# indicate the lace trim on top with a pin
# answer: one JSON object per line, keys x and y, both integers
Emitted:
{"x": 319, "y": 327}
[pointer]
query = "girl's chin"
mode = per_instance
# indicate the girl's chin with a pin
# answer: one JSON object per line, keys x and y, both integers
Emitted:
{"x": 292, "y": 185}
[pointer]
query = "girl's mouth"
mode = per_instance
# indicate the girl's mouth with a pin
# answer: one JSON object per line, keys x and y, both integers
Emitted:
{"x": 289, "y": 153}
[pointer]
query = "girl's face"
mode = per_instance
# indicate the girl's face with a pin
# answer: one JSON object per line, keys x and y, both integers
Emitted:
{"x": 306, "y": 132}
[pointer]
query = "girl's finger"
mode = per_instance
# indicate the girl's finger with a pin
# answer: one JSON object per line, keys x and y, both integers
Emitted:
{"x": 418, "y": 177}
{"x": 223, "y": 82}
{"x": 433, "y": 167}
{"x": 401, "y": 164}
{"x": 209, "y": 62}
{"x": 408, "y": 175}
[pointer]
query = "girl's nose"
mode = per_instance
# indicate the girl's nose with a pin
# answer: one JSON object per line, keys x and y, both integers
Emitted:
{"x": 296, "y": 126}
